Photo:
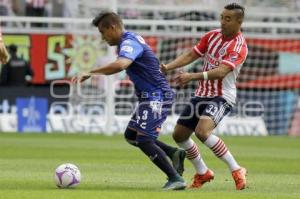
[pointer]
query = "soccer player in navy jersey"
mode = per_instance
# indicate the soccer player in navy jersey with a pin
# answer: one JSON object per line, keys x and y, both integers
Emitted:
{"x": 154, "y": 94}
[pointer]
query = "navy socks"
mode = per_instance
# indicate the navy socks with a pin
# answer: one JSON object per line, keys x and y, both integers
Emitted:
{"x": 157, "y": 156}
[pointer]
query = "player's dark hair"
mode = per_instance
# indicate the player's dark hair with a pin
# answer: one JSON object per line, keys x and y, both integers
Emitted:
{"x": 240, "y": 10}
{"x": 107, "y": 19}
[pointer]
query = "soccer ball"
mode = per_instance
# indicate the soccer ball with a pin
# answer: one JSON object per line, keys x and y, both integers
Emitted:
{"x": 67, "y": 175}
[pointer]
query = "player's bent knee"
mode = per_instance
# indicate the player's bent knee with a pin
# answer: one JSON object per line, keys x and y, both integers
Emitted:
{"x": 132, "y": 142}
{"x": 176, "y": 136}
{"x": 181, "y": 133}
{"x": 143, "y": 140}
{"x": 130, "y": 136}
{"x": 202, "y": 135}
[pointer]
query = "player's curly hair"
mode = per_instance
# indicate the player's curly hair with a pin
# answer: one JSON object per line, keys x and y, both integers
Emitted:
{"x": 107, "y": 19}
{"x": 234, "y": 6}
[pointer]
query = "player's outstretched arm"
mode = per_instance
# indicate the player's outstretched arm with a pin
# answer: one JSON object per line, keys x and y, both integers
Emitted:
{"x": 80, "y": 78}
{"x": 109, "y": 69}
{"x": 180, "y": 61}
{"x": 112, "y": 68}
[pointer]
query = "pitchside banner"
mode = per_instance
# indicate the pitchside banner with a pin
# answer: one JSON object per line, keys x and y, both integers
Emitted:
{"x": 96, "y": 125}
{"x": 54, "y": 57}
{"x": 32, "y": 114}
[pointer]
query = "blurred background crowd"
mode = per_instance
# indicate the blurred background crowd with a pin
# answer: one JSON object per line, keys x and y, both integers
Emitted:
{"x": 84, "y": 8}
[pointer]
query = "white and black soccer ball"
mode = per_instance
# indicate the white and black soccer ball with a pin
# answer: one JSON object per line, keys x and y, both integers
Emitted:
{"x": 67, "y": 176}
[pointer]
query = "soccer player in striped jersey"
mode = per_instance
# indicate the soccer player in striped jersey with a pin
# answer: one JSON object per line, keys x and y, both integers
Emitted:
{"x": 3, "y": 52}
{"x": 224, "y": 51}
{"x": 152, "y": 89}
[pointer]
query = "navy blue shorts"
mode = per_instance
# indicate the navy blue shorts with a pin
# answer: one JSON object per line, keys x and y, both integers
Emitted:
{"x": 215, "y": 108}
{"x": 149, "y": 116}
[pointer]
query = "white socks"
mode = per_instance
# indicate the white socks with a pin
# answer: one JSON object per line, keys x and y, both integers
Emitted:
{"x": 220, "y": 150}
{"x": 217, "y": 146}
{"x": 193, "y": 155}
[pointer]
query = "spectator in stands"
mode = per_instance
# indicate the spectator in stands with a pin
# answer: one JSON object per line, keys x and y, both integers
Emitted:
{"x": 5, "y": 7}
{"x": 17, "y": 6}
{"x": 71, "y": 8}
{"x": 36, "y": 8}
{"x": 9, "y": 7}
{"x": 17, "y": 71}
{"x": 57, "y": 7}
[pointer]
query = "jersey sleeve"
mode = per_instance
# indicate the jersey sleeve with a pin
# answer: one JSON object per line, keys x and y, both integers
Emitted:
{"x": 236, "y": 54}
{"x": 202, "y": 45}
{"x": 130, "y": 49}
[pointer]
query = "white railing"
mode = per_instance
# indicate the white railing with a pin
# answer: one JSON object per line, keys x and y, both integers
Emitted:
{"x": 251, "y": 12}
{"x": 166, "y": 8}
{"x": 146, "y": 27}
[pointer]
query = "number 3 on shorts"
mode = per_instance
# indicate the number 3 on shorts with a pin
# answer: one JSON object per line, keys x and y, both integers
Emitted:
{"x": 212, "y": 110}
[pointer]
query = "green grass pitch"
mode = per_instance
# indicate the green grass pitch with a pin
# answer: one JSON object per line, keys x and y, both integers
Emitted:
{"x": 113, "y": 169}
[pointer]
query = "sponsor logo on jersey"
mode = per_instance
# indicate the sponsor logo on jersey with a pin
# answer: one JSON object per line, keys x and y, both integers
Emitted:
{"x": 140, "y": 39}
{"x": 213, "y": 62}
{"x": 126, "y": 42}
{"x": 233, "y": 56}
{"x": 156, "y": 106}
{"x": 222, "y": 52}
{"x": 127, "y": 49}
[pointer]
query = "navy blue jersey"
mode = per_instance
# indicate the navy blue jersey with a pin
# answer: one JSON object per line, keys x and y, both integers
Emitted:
{"x": 144, "y": 71}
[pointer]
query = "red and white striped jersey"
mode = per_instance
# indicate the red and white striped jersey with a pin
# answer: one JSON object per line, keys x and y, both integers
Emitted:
{"x": 216, "y": 50}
